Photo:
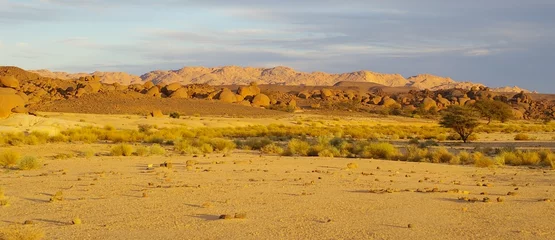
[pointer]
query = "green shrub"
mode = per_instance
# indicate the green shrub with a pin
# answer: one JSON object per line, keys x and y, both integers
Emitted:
{"x": 29, "y": 163}
{"x": 522, "y": 137}
{"x": 122, "y": 150}
{"x": 156, "y": 149}
{"x": 298, "y": 147}
{"x": 9, "y": 158}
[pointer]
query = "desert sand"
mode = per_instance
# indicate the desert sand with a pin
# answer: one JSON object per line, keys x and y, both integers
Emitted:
{"x": 274, "y": 197}
{"x": 282, "y": 197}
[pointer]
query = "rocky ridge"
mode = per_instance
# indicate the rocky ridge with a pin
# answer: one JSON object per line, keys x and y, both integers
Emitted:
{"x": 234, "y": 75}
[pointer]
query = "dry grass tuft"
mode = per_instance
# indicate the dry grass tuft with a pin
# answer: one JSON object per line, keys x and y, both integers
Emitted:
{"x": 9, "y": 158}
{"x": 122, "y": 150}
{"x": 29, "y": 163}
{"x": 26, "y": 232}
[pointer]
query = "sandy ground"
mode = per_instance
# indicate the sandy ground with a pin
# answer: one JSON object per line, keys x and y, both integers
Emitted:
{"x": 282, "y": 197}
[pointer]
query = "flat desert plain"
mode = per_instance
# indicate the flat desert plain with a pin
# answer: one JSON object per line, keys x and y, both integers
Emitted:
{"x": 243, "y": 194}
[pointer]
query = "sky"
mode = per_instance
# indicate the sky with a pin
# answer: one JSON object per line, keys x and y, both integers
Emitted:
{"x": 495, "y": 42}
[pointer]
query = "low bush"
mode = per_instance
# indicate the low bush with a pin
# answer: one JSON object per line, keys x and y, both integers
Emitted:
{"x": 122, "y": 150}
{"x": 156, "y": 149}
{"x": 175, "y": 115}
{"x": 380, "y": 150}
{"x": 416, "y": 154}
{"x": 480, "y": 160}
{"x": 29, "y": 163}
{"x": 465, "y": 158}
{"x": 522, "y": 137}
{"x": 442, "y": 155}
{"x": 272, "y": 149}
{"x": 9, "y": 158}
{"x": 298, "y": 147}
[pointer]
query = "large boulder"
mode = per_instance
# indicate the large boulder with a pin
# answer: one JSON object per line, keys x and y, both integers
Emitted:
{"x": 156, "y": 113}
{"x": 9, "y": 82}
{"x": 226, "y": 96}
{"x": 327, "y": 93}
{"x": 9, "y": 102}
{"x": 180, "y": 93}
{"x": 169, "y": 89}
{"x": 389, "y": 102}
{"x": 304, "y": 95}
{"x": 148, "y": 85}
{"x": 261, "y": 100}
{"x": 153, "y": 91}
{"x": 428, "y": 104}
{"x": 251, "y": 90}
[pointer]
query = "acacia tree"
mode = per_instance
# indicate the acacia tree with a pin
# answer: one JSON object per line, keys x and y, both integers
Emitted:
{"x": 462, "y": 119}
{"x": 491, "y": 109}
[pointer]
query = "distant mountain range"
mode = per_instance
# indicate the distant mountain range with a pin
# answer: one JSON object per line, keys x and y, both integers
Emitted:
{"x": 230, "y": 75}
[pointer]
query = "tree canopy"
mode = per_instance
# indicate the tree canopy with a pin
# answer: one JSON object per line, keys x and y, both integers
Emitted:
{"x": 462, "y": 119}
{"x": 493, "y": 110}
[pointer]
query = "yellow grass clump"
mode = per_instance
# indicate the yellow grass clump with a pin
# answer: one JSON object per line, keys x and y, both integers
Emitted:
{"x": 122, "y": 150}
{"x": 15, "y": 232}
{"x": 29, "y": 163}
{"x": 9, "y": 158}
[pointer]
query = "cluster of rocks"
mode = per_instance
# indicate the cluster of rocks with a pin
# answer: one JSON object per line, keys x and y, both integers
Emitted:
{"x": 12, "y": 100}
{"x": 21, "y": 90}
{"x": 524, "y": 107}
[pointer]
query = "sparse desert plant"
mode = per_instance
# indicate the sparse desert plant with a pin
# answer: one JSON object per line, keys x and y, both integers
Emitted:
{"x": 442, "y": 155}
{"x": 145, "y": 128}
{"x": 465, "y": 157}
{"x": 510, "y": 158}
{"x": 25, "y": 232}
{"x": 546, "y": 157}
{"x": 455, "y": 160}
{"x": 122, "y": 150}
{"x": 29, "y": 163}
{"x": 522, "y": 137}
{"x": 142, "y": 151}
{"x": 416, "y": 154}
{"x": 89, "y": 153}
{"x": 206, "y": 148}
{"x": 352, "y": 165}
{"x": 329, "y": 152}
{"x": 9, "y": 158}
{"x": 3, "y": 199}
{"x": 58, "y": 196}
{"x": 272, "y": 149}
{"x": 222, "y": 145}
{"x": 175, "y": 115}
{"x": 380, "y": 150}
{"x": 530, "y": 158}
{"x": 156, "y": 149}
{"x": 480, "y": 160}
{"x": 298, "y": 147}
